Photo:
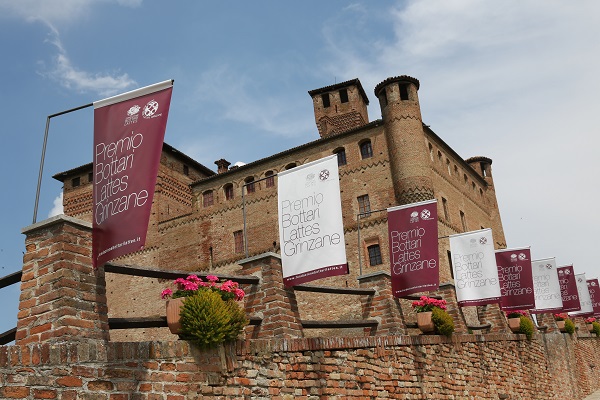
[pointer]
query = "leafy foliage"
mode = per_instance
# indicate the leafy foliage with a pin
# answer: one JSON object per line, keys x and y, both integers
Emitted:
{"x": 569, "y": 326}
{"x": 442, "y": 321}
{"x": 526, "y": 327}
{"x": 596, "y": 328}
{"x": 208, "y": 320}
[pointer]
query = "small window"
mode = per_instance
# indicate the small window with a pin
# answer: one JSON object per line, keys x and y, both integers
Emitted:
{"x": 374, "y": 255}
{"x": 325, "y": 98}
{"x": 207, "y": 198}
{"x": 90, "y": 177}
{"x": 186, "y": 170}
{"x": 290, "y": 166}
{"x": 341, "y": 156}
{"x": 229, "y": 192}
{"x": 76, "y": 182}
{"x": 250, "y": 185}
{"x": 445, "y": 205}
{"x": 366, "y": 150}
{"x": 463, "y": 221}
{"x": 270, "y": 181}
{"x": 403, "y": 91}
{"x": 344, "y": 95}
{"x": 431, "y": 151}
{"x": 364, "y": 205}
{"x": 238, "y": 240}
{"x": 450, "y": 263}
{"x": 384, "y": 99}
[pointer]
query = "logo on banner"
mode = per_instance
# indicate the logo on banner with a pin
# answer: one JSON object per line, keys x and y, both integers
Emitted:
{"x": 592, "y": 283}
{"x": 150, "y": 109}
{"x": 132, "y": 115}
{"x": 324, "y": 175}
{"x": 580, "y": 279}
{"x": 425, "y": 214}
{"x": 522, "y": 256}
{"x": 414, "y": 217}
{"x": 483, "y": 240}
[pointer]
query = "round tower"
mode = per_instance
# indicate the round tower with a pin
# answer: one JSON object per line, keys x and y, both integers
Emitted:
{"x": 409, "y": 160}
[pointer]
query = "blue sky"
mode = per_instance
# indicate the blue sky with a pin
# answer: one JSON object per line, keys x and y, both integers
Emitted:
{"x": 516, "y": 81}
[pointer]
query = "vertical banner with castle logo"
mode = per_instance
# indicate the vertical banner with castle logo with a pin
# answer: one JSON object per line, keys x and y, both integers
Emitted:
{"x": 311, "y": 230}
{"x": 413, "y": 241}
{"x": 568, "y": 288}
{"x": 594, "y": 289}
{"x": 474, "y": 265}
{"x": 129, "y": 131}
{"x": 585, "y": 300}
{"x": 516, "y": 279}
{"x": 546, "y": 286}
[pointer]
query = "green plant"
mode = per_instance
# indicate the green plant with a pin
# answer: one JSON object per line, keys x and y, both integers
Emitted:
{"x": 526, "y": 327}
{"x": 442, "y": 321}
{"x": 569, "y": 326}
{"x": 596, "y": 328}
{"x": 208, "y": 320}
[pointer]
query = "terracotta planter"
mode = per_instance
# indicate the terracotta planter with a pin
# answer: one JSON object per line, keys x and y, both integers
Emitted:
{"x": 424, "y": 322}
{"x": 561, "y": 325}
{"x": 590, "y": 327}
{"x": 173, "y": 310}
{"x": 514, "y": 324}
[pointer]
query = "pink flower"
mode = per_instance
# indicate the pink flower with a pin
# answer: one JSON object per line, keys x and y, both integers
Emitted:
{"x": 239, "y": 294}
{"x": 228, "y": 286}
{"x": 212, "y": 278}
{"x": 166, "y": 293}
{"x": 194, "y": 278}
{"x": 190, "y": 286}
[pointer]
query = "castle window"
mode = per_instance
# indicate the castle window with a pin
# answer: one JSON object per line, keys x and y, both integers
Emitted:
{"x": 270, "y": 181}
{"x": 364, "y": 205}
{"x": 76, "y": 182}
{"x": 344, "y": 95}
{"x": 463, "y": 221}
{"x": 250, "y": 185}
{"x": 290, "y": 166}
{"x": 431, "y": 151}
{"x": 445, "y": 206}
{"x": 366, "y": 150}
{"x": 374, "y": 255}
{"x": 90, "y": 177}
{"x": 450, "y": 263}
{"x": 238, "y": 241}
{"x": 403, "y": 91}
{"x": 341, "y": 156}
{"x": 207, "y": 198}
{"x": 325, "y": 98}
{"x": 228, "y": 191}
{"x": 186, "y": 170}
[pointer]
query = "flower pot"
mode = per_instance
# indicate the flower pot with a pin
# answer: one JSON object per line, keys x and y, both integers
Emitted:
{"x": 514, "y": 324}
{"x": 561, "y": 325}
{"x": 424, "y": 322}
{"x": 173, "y": 310}
{"x": 590, "y": 328}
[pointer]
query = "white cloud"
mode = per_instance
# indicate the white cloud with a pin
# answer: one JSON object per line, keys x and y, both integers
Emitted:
{"x": 57, "y": 207}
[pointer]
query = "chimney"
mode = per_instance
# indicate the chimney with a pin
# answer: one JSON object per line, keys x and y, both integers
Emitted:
{"x": 222, "y": 165}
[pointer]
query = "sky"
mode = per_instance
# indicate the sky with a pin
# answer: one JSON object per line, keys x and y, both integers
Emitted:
{"x": 515, "y": 81}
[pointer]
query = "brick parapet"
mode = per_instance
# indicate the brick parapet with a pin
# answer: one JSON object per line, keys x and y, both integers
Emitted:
{"x": 62, "y": 297}
{"x": 381, "y": 306}
{"x": 271, "y": 300}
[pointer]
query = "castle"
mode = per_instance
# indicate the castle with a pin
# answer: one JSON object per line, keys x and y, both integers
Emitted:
{"x": 197, "y": 221}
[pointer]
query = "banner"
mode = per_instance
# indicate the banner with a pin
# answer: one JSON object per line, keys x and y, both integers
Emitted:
{"x": 546, "y": 286}
{"x": 311, "y": 230}
{"x": 568, "y": 288}
{"x": 413, "y": 240}
{"x": 474, "y": 265}
{"x": 585, "y": 300}
{"x": 516, "y": 279}
{"x": 128, "y": 136}
{"x": 594, "y": 289}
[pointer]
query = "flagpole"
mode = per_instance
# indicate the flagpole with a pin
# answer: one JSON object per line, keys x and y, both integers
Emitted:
{"x": 39, "y": 183}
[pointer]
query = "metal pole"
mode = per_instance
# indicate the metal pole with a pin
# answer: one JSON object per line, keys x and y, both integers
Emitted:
{"x": 359, "y": 258}
{"x": 244, "y": 208}
{"x": 39, "y": 183}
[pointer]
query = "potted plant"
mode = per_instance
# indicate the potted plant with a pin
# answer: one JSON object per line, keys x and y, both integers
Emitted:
{"x": 205, "y": 312}
{"x": 514, "y": 319}
{"x": 589, "y": 322}
{"x": 564, "y": 323}
{"x": 432, "y": 316}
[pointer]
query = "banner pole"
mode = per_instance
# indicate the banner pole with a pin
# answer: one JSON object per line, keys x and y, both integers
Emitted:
{"x": 39, "y": 183}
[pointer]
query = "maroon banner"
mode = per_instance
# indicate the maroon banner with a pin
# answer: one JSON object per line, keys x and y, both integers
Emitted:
{"x": 516, "y": 279}
{"x": 568, "y": 288}
{"x": 594, "y": 289}
{"x": 413, "y": 240}
{"x": 128, "y": 138}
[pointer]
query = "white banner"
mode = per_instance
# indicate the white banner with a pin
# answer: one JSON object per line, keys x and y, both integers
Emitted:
{"x": 311, "y": 230}
{"x": 475, "y": 270}
{"x": 546, "y": 286}
{"x": 585, "y": 300}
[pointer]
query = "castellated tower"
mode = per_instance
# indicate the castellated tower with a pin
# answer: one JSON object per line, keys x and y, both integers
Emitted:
{"x": 340, "y": 107}
{"x": 409, "y": 162}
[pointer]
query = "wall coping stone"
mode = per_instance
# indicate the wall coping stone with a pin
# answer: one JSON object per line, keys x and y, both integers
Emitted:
{"x": 62, "y": 218}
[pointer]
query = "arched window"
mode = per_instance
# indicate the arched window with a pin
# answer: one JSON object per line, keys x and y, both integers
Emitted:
{"x": 207, "y": 198}
{"x": 250, "y": 184}
{"x": 228, "y": 191}
{"x": 341, "y": 156}
{"x": 270, "y": 181}
{"x": 366, "y": 150}
{"x": 290, "y": 166}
